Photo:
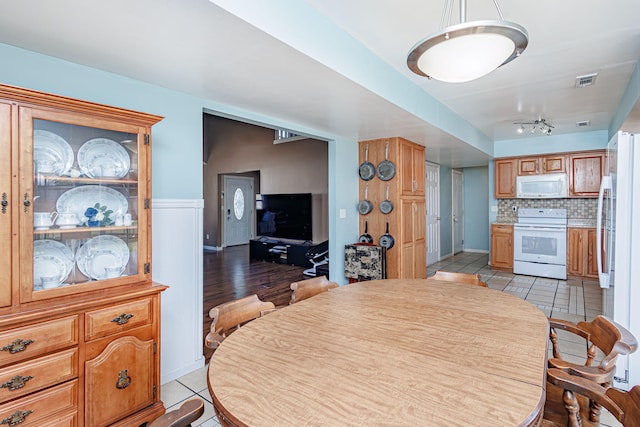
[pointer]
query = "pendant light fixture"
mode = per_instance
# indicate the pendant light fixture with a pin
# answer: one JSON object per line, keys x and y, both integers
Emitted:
{"x": 468, "y": 50}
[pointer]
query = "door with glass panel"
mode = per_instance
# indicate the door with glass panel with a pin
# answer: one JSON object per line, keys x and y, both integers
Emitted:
{"x": 238, "y": 210}
{"x": 84, "y": 209}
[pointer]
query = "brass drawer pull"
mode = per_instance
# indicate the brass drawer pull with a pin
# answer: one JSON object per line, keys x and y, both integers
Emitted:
{"x": 16, "y": 382}
{"x": 122, "y": 319}
{"x": 123, "y": 379}
{"x": 17, "y": 346}
{"x": 4, "y": 203}
{"x": 16, "y": 418}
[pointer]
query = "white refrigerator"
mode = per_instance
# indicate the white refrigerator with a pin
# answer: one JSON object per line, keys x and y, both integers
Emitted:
{"x": 618, "y": 245}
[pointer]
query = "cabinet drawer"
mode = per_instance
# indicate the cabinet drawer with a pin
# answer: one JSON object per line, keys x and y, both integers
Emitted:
{"x": 30, "y": 341}
{"x": 34, "y": 375}
{"x": 53, "y": 407}
{"x": 118, "y": 318}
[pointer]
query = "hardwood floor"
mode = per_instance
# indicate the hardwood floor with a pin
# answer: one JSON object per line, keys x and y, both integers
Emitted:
{"x": 229, "y": 275}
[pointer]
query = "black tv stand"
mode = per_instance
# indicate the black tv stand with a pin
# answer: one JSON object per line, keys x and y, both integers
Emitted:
{"x": 281, "y": 251}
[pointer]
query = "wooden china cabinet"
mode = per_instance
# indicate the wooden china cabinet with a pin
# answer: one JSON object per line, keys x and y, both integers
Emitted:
{"x": 79, "y": 313}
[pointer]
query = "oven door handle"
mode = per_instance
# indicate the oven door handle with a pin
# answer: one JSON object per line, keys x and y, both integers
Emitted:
{"x": 536, "y": 228}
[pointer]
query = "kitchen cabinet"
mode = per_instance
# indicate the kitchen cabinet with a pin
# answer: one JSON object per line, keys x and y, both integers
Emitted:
{"x": 407, "y": 220}
{"x": 586, "y": 171}
{"x": 556, "y": 163}
{"x": 502, "y": 247}
{"x": 581, "y": 252}
{"x": 505, "y": 178}
{"x": 413, "y": 239}
{"x": 79, "y": 313}
{"x": 411, "y": 168}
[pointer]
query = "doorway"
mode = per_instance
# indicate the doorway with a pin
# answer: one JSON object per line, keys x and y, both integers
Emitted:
{"x": 238, "y": 211}
{"x": 432, "y": 189}
{"x": 457, "y": 210}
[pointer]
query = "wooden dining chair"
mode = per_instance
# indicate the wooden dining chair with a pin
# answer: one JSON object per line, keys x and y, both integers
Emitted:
{"x": 466, "y": 278}
{"x": 190, "y": 411}
{"x": 624, "y": 406}
{"x": 307, "y": 288}
{"x": 229, "y": 316}
{"x": 603, "y": 338}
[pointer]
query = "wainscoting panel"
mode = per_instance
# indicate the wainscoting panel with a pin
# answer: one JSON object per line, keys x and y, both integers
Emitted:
{"x": 177, "y": 262}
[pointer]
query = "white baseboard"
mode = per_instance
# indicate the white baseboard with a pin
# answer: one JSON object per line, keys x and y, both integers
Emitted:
{"x": 182, "y": 371}
{"x": 477, "y": 251}
{"x": 212, "y": 248}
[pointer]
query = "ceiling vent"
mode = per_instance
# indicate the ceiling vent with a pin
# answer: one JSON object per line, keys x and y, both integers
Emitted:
{"x": 586, "y": 80}
{"x": 583, "y": 123}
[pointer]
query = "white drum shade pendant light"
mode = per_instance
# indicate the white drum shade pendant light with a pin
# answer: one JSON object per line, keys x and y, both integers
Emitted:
{"x": 468, "y": 50}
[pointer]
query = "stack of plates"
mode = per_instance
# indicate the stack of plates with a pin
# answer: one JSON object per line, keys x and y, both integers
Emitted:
{"x": 78, "y": 199}
{"x": 103, "y": 257}
{"x": 53, "y": 149}
{"x": 52, "y": 262}
{"x": 98, "y": 155}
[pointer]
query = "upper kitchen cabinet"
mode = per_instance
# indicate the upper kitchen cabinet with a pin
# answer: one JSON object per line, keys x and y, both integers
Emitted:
{"x": 556, "y": 163}
{"x": 412, "y": 168}
{"x": 586, "y": 173}
{"x": 505, "y": 178}
{"x": 583, "y": 169}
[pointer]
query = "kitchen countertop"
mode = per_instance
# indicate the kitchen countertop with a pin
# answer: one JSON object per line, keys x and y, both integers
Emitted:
{"x": 581, "y": 223}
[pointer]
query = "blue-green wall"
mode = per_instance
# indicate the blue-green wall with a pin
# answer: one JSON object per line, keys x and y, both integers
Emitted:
{"x": 594, "y": 140}
{"x": 476, "y": 214}
{"x": 446, "y": 244}
{"x": 177, "y": 140}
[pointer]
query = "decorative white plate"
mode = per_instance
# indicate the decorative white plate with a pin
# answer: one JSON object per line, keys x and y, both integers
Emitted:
{"x": 51, "y": 259}
{"x": 78, "y": 199}
{"x": 103, "y": 257}
{"x": 54, "y": 149}
{"x": 98, "y": 155}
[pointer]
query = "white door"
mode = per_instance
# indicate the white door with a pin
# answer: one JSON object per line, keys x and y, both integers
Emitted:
{"x": 238, "y": 210}
{"x": 432, "y": 189}
{"x": 457, "y": 210}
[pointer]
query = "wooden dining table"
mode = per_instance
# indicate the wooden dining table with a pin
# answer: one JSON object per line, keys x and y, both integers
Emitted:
{"x": 386, "y": 353}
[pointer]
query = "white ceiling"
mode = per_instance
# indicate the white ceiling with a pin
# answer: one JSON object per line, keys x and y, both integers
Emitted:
{"x": 197, "y": 47}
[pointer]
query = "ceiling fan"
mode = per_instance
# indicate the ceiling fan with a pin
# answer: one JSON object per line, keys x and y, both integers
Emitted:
{"x": 538, "y": 124}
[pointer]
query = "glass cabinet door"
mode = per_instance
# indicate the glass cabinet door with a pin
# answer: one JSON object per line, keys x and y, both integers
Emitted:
{"x": 5, "y": 204}
{"x": 84, "y": 214}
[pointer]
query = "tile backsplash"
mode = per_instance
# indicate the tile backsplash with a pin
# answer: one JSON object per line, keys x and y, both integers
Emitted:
{"x": 576, "y": 208}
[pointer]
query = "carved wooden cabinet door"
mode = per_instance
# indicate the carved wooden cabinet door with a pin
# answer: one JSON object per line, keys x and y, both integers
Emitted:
{"x": 119, "y": 381}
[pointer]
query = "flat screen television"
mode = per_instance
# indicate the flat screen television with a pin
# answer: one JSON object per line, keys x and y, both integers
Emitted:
{"x": 287, "y": 216}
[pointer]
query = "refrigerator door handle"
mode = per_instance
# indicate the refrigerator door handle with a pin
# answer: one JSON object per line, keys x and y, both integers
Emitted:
{"x": 605, "y": 184}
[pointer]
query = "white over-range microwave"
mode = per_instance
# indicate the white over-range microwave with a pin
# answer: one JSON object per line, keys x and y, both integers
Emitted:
{"x": 547, "y": 186}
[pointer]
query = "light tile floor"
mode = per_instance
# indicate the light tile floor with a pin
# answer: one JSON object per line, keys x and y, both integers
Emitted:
{"x": 572, "y": 300}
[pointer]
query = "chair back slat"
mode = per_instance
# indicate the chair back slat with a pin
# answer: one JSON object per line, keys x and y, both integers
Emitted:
{"x": 229, "y": 316}
{"x": 307, "y": 288}
{"x": 467, "y": 278}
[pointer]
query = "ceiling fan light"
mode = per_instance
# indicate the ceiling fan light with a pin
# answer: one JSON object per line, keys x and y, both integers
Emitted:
{"x": 467, "y": 51}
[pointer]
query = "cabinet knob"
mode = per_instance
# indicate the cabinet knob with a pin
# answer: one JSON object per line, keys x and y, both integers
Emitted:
{"x": 16, "y": 346}
{"x": 26, "y": 202}
{"x": 4, "y": 203}
{"x": 16, "y": 418}
{"x": 124, "y": 380}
